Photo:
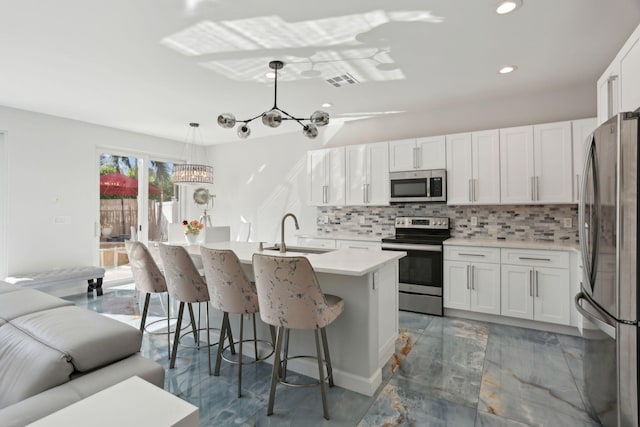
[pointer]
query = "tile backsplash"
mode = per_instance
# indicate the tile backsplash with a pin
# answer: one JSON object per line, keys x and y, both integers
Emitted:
{"x": 543, "y": 223}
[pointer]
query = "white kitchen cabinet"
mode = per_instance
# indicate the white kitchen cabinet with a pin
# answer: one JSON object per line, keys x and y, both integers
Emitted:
{"x": 473, "y": 168}
{"x": 618, "y": 88}
{"x": 470, "y": 284}
{"x": 536, "y": 164}
{"x": 326, "y": 177}
{"x": 534, "y": 286}
{"x": 417, "y": 154}
{"x": 607, "y": 93}
{"x": 367, "y": 174}
{"x": 314, "y": 242}
{"x": 580, "y": 129}
{"x": 358, "y": 244}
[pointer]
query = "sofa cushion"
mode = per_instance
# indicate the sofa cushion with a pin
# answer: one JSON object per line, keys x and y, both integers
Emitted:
{"x": 8, "y": 287}
{"x": 25, "y": 301}
{"x": 27, "y": 366}
{"x": 39, "y": 406}
{"x": 90, "y": 339}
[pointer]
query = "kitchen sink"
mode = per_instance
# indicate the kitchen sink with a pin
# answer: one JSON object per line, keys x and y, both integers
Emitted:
{"x": 299, "y": 249}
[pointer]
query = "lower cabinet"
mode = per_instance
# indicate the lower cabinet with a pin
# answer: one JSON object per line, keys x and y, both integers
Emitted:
{"x": 527, "y": 284}
{"x": 469, "y": 284}
{"x": 536, "y": 285}
{"x": 472, "y": 286}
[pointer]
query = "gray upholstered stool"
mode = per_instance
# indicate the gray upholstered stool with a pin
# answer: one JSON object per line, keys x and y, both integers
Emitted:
{"x": 290, "y": 298}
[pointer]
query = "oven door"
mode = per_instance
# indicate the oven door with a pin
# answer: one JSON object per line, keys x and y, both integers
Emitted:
{"x": 420, "y": 272}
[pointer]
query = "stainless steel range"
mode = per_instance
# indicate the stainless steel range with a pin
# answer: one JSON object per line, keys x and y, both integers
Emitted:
{"x": 421, "y": 270}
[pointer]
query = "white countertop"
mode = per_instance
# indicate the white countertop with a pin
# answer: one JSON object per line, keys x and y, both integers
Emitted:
{"x": 514, "y": 244}
{"x": 344, "y": 236}
{"x": 349, "y": 262}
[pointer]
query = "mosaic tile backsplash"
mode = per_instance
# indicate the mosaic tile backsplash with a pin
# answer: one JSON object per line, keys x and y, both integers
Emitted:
{"x": 541, "y": 223}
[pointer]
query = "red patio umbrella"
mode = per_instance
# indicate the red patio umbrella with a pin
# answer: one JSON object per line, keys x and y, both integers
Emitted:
{"x": 116, "y": 184}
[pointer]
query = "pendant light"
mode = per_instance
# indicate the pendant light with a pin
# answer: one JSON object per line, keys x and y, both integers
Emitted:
{"x": 191, "y": 173}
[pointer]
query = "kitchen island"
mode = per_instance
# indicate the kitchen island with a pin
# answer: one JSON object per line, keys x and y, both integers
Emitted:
{"x": 362, "y": 339}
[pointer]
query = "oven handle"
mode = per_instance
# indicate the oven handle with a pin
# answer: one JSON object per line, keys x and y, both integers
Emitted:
{"x": 408, "y": 247}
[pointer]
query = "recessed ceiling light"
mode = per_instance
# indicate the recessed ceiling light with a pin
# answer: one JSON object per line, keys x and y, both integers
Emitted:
{"x": 507, "y": 69}
{"x": 507, "y": 6}
{"x": 327, "y": 105}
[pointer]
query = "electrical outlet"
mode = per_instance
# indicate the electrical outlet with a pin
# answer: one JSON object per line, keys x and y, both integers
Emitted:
{"x": 362, "y": 219}
{"x": 324, "y": 219}
{"x": 567, "y": 223}
{"x": 474, "y": 220}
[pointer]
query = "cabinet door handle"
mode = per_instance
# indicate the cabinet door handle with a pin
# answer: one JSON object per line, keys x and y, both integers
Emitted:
{"x": 473, "y": 281}
{"x": 537, "y": 286}
{"x": 325, "y": 194}
{"x": 368, "y": 192}
{"x": 530, "y": 283}
{"x": 364, "y": 193}
{"x": 531, "y": 187}
{"x": 461, "y": 254}
{"x": 534, "y": 259}
{"x": 473, "y": 191}
{"x": 468, "y": 276}
{"x": 470, "y": 190}
{"x": 537, "y": 188}
{"x": 418, "y": 162}
{"x": 577, "y": 186}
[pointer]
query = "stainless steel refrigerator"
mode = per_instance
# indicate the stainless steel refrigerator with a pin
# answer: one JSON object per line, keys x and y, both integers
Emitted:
{"x": 608, "y": 217}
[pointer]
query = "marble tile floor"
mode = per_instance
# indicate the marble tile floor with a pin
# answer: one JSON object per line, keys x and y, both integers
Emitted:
{"x": 445, "y": 372}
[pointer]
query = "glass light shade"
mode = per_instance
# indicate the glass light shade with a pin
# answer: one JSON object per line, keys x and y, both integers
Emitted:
{"x": 320, "y": 118}
{"x": 190, "y": 173}
{"x": 244, "y": 131}
{"x": 227, "y": 120}
{"x": 272, "y": 118}
{"x": 310, "y": 131}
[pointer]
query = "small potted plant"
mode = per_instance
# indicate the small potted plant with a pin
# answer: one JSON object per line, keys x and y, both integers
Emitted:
{"x": 192, "y": 230}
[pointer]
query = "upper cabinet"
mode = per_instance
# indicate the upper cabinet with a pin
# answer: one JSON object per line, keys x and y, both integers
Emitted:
{"x": 618, "y": 89}
{"x": 367, "y": 174}
{"x": 326, "y": 173}
{"x": 536, "y": 164}
{"x": 581, "y": 129}
{"x": 473, "y": 168}
{"x": 417, "y": 154}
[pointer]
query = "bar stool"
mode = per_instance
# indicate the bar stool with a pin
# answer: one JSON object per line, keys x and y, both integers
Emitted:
{"x": 290, "y": 298}
{"x": 148, "y": 279}
{"x": 231, "y": 292}
{"x": 184, "y": 284}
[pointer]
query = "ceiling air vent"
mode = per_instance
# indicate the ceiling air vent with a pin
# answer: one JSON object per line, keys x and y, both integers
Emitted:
{"x": 342, "y": 80}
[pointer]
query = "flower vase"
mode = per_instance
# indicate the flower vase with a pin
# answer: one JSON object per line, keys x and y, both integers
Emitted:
{"x": 191, "y": 238}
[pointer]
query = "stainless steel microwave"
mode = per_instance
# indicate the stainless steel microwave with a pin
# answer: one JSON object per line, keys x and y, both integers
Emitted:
{"x": 418, "y": 186}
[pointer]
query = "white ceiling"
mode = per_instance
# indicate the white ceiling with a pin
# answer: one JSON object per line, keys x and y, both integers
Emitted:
{"x": 152, "y": 66}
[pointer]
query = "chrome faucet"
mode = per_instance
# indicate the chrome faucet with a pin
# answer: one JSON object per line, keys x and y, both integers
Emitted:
{"x": 283, "y": 247}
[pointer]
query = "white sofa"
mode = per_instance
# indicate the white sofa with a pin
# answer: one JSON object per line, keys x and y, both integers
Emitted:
{"x": 53, "y": 354}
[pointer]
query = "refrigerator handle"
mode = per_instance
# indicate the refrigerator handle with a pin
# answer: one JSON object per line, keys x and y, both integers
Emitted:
{"x": 583, "y": 229}
{"x": 603, "y": 321}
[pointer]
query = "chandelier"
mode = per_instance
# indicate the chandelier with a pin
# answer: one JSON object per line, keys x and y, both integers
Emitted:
{"x": 274, "y": 117}
{"x": 190, "y": 172}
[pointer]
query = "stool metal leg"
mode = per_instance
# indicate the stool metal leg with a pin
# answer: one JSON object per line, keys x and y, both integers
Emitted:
{"x": 193, "y": 323}
{"x": 323, "y": 386}
{"x": 208, "y": 340}
{"x": 223, "y": 333}
{"x": 145, "y": 310}
{"x": 230, "y": 335}
{"x": 240, "y": 356}
{"x": 177, "y": 337}
{"x": 275, "y": 372}
{"x": 327, "y": 358}
{"x": 255, "y": 337}
{"x": 168, "y": 326}
{"x": 286, "y": 354}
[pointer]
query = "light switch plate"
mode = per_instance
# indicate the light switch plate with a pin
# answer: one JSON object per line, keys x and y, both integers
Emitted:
{"x": 474, "y": 220}
{"x": 362, "y": 220}
{"x": 567, "y": 223}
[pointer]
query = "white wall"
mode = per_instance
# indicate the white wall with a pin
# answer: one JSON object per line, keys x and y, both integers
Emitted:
{"x": 261, "y": 179}
{"x": 52, "y": 171}
{"x": 3, "y": 206}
